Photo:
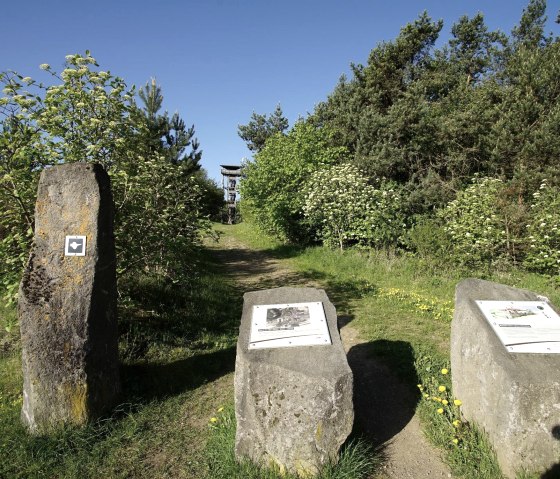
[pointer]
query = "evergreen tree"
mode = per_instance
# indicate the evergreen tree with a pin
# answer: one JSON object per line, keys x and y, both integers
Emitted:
{"x": 167, "y": 136}
{"x": 260, "y": 128}
{"x": 530, "y": 31}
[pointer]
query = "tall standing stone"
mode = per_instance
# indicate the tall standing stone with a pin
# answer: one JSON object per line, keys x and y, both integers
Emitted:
{"x": 293, "y": 404}
{"x": 67, "y": 301}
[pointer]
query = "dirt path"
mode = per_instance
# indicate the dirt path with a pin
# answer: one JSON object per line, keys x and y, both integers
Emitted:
{"x": 384, "y": 407}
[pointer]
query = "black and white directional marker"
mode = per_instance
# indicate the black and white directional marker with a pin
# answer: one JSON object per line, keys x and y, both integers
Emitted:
{"x": 75, "y": 246}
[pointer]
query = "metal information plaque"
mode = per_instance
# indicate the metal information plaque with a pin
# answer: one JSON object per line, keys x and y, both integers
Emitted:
{"x": 288, "y": 325}
{"x": 524, "y": 326}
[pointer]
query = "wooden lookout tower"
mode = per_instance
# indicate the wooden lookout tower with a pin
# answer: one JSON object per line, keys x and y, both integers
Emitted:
{"x": 230, "y": 183}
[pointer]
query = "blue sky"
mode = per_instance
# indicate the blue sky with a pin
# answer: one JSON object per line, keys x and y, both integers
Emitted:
{"x": 218, "y": 60}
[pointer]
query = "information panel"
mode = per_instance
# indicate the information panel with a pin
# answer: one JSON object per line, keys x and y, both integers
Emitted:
{"x": 288, "y": 325}
{"x": 524, "y": 326}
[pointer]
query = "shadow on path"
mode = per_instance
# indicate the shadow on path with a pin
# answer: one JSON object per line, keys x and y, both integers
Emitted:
{"x": 383, "y": 405}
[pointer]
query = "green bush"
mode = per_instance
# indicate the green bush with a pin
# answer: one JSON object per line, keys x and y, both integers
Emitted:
{"x": 272, "y": 189}
{"x": 543, "y": 254}
{"x": 346, "y": 210}
{"x": 427, "y": 238}
{"x": 87, "y": 115}
{"x": 486, "y": 223}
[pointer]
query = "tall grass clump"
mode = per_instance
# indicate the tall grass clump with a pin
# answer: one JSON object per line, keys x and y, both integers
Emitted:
{"x": 357, "y": 459}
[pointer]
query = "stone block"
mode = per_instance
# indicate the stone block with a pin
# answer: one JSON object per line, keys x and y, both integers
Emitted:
{"x": 293, "y": 405}
{"x": 514, "y": 397}
{"x": 67, "y": 304}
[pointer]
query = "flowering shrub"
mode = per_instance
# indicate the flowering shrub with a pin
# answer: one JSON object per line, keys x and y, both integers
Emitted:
{"x": 347, "y": 210}
{"x": 482, "y": 224}
{"x": 273, "y": 182}
{"x": 544, "y": 234}
{"x": 88, "y": 115}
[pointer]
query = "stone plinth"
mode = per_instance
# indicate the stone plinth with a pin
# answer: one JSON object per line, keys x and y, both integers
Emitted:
{"x": 514, "y": 397}
{"x": 293, "y": 405}
{"x": 67, "y": 304}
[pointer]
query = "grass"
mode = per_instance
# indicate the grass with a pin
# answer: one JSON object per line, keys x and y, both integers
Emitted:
{"x": 402, "y": 306}
{"x": 177, "y": 352}
{"x": 357, "y": 459}
{"x": 177, "y": 349}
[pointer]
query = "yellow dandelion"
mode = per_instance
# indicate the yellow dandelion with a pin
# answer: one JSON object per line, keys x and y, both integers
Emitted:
{"x": 456, "y": 423}
{"x": 455, "y": 440}
{"x": 442, "y": 389}
{"x": 440, "y": 410}
{"x": 457, "y": 402}
{"x": 220, "y": 409}
{"x": 213, "y": 420}
{"x": 445, "y": 402}
{"x": 444, "y": 371}
{"x": 426, "y": 395}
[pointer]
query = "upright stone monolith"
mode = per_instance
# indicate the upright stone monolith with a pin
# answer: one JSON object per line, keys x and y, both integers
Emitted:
{"x": 67, "y": 301}
{"x": 293, "y": 384}
{"x": 513, "y": 396}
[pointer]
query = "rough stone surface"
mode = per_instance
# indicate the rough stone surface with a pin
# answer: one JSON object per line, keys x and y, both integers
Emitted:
{"x": 293, "y": 405}
{"x": 67, "y": 304}
{"x": 515, "y": 398}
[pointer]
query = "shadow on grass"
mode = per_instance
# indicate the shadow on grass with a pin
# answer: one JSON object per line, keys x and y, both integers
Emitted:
{"x": 146, "y": 382}
{"x": 340, "y": 292}
{"x": 385, "y": 398}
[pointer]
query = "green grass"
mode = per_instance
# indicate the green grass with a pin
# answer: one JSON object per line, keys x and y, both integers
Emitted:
{"x": 357, "y": 459}
{"x": 177, "y": 352}
{"x": 402, "y": 306}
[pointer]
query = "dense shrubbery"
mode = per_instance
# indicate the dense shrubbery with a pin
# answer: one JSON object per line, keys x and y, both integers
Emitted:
{"x": 89, "y": 115}
{"x": 273, "y": 187}
{"x": 464, "y": 134}
{"x": 346, "y": 210}
{"x": 543, "y": 231}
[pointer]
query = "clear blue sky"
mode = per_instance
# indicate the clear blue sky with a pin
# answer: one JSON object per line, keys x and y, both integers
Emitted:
{"x": 219, "y": 60}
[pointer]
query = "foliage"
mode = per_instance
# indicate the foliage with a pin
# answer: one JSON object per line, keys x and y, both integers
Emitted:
{"x": 22, "y": 155}
{"x": 272, "y": 189}
{"x": 468, "y": 450}
{"x": 482, "y": 225}
{"x": 260, "y": 128}
{"x": 347, "y": 210}
{"x": 166, "y": 135}
{"x": 544, "y": 235}
{"x": 87, "y": 115}
{"x": 431, "y": 118}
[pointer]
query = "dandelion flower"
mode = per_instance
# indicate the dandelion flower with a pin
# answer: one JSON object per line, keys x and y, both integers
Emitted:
{"x": 220, "y": 409}
{"x": 456, "y": 423}
{"x": 213, "y": 420}
{"x": 457, "y": 402}
{"x": 441, "y": 389}
{"x": 455, "y": 440}
{"x": 444, "y": 371}
{"x": 444, "y": 402}
{"x": 440, "y": 410}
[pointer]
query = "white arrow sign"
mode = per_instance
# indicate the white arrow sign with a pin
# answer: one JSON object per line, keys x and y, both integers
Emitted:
{"x": 75, "y": 246}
